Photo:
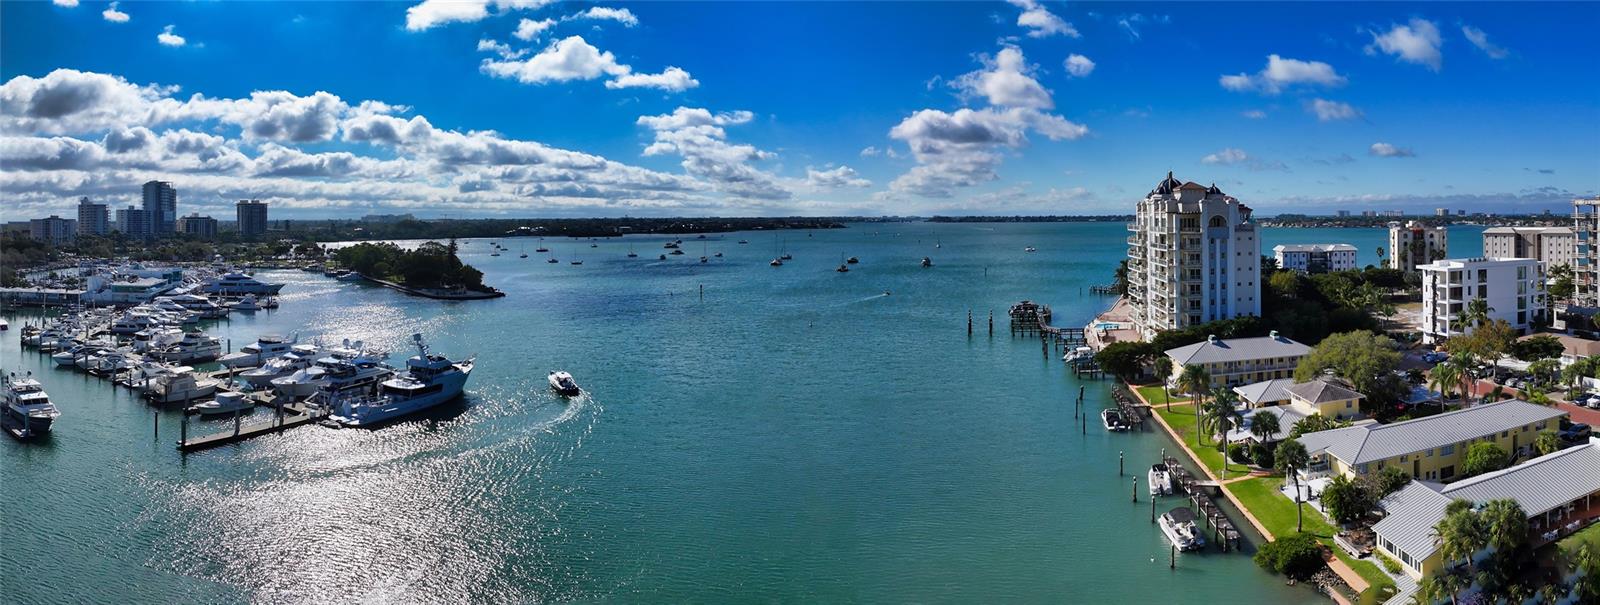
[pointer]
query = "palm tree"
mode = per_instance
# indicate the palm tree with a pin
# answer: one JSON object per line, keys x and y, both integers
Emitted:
{"x": 1463, "y": 369}
{"x": 1380, "y": 257}
{"x": 1506, "y": 525}
{"x": 1461, "y": 533}
{"x": 1550, "y": 593}
{"x": 1220, "y": 415}
{"x": 1163, "y": 371}
{"x": 1263, "y": 425}
{"x": 1444, "y": 377}
{"x": 1451, "y": 583}
{"x": 1476, "y": 313}
{"x": 1195, "y": 380}
{"x": 1289, "y": 459}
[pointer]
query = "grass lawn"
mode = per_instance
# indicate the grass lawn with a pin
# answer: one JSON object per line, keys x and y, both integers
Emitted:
{"x": 1181, "y": 419}
{"x": 1589, "y": 535}
{"x": 1273, "y": 510}
{"x": 1152, "y": 394}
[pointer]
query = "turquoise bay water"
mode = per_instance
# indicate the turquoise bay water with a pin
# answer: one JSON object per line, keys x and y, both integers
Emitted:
{"x": 798, "y": 435}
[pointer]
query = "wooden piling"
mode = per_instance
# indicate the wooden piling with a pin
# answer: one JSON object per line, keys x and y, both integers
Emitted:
{"x": 236, "y": 423}
{"x": 155, "y": 421}
{"x": 1152, "y": 508}
{"x": 969, "y": 323}
{"x": 1135, "y": 490}
{"x": 991, "y": 322}
{"x": 1172, "y": 561}
{"x": 1119, "y": 463}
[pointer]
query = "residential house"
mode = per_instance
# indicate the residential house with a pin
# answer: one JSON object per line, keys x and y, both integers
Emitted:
{"x": 1239, "y": 361}
{"x": 1430, "y": 448}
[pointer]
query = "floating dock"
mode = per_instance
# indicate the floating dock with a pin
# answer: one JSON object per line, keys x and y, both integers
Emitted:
{"x": 284, "y": 417}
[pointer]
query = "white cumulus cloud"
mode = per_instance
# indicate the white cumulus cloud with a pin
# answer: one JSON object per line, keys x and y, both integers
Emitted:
{"x": 433, "y": 13}
{"x": 1079, "y": 66}
{"x": 573, "y": 58}
{"x": 1226, "y": 156}
{"x": 1328, "y": 111}
{"x": 1281, "y": 73}
{"x": 66, "y": 3}
{"x": 606, "y": 13}
{"x": 1006, "y": 79}
{"x": 842, "y": 176}
{"x": 528, "y": 29}
{"x": 1040, "y": 22}
{"x": 113, "y": 15}
{"x": 1416, "y": 42}
{"x": 167, "y": 38}
{"x": 671, "y": 79}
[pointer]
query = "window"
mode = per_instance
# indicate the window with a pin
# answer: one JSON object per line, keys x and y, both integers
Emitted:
{"x": 1447, "y": 450}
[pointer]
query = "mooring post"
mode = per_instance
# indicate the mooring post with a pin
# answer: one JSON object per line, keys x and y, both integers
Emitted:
{"x": 1119, "y": 463}
{"x": 1172, "y": 561}
{"x": 702, "y": 292}
{"x": 969, "y": 323}
{"x": 1152, "y": 508}
{"x": 1135, "y": 490}
{"x": 1083, "y": 424}
{"x": 236, "y": 423}
{"x": 155, "y": 421}
{"x": 183, "y": 431}
{"x": 991, "y": 322}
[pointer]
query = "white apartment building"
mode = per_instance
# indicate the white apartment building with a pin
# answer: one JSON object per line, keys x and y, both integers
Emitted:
{"x": 1415, "y": 244}
{"x": 1193, "y": 257}
{"x": 1552, "y": 246}
{"x": 54, "y": 229}
{"x": 1586, "y": 269}
{"x": 1513, "y": 288}
{"x": 1315, "y": 258}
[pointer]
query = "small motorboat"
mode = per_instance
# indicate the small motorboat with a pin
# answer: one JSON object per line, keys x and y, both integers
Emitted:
{"x": 885, "y": 292}
{"x": 562, "y": 384}
{"x": 852, "y": 260}
{"x": 577, "y": 262}
{"x": 1160, "y": 480}
{"x": 524, "y": 255}
{"x": 787, "y": 256}
{"x": 776, "y": 262}
{"x": 1113, "y": 420}
{"x": 1030, "y": 249}
{"x": 662, "y": 257}
{"x": 927, "y": 262}
{"x": 541, "y": 249}
{"x": 1078, "y": 354}
{"x": 704, "y": 259}
{"x": 718, "y": 255}
{"x": 744, "y": 241}
{"x": 225, "y": 402}
{"x": 676, "y": 251}
{"x": 843, "y": 269}
{"x": 594, "y": 245}
{"x": 1178, "y": 525}
{"x": 553, "y": 260}
{"x": 495, "y": 253}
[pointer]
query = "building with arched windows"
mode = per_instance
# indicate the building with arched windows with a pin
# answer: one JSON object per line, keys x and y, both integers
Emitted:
{"x": 1193, "y": 257}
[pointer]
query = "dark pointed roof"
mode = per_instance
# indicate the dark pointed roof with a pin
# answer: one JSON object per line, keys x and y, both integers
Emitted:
{"x": 1213, "y": 190}
{"x": 1167, "y": 186}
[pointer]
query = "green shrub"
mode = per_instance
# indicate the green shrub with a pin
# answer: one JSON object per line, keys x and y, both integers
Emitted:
{"x": 1239, "y": 452}
{"x": 1262, "y": 456}
{"x": 1297, "y": 556}
{"x": 1390, "y": 565}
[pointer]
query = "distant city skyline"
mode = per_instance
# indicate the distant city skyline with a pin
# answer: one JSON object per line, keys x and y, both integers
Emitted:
{"x": 509, "y": 108}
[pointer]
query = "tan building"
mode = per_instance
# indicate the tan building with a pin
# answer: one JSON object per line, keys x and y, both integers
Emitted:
{"x": 1240, "y": 361}
{"x": 1415, "y": 244}
{"x": 1326, "y": 398}
{"x": 1551, "y": 246}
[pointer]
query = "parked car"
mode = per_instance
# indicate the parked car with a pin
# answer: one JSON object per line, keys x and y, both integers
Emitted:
{"x": 1435, "y": 356}
{"x": 1574, "y": 431}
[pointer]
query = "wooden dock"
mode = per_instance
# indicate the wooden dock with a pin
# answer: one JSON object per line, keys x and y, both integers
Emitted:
{"x": 1029, "y": 318}
{"x": 1224, "y": 534}
{"x": 284, "y": 417}
{"x": 1103, "y": 290}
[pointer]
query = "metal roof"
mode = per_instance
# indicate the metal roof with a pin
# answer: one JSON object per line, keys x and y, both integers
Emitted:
{"x": 1268, "y": 391}
{"x": 1537, "y": 485}
{"x": 1237, "y": 349}
{"x": 1322, "y": 391}
{"x": 1369, "y": 442}
{"x": 1313, "y": 248}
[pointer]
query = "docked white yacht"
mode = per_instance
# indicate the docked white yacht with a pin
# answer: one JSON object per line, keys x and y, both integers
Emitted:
{"x": 298, "y": 358}
{"x": 199, "y": 305}
{"x": 133, "y": 322}
{"x": 155, "y": 339}
{"x": 429, "y": 380}
{"x": 238, "y": 284}
{"x": 28, "y": 410}
{"x": 346, "y": 370}
{"x": 258, "y": 352}
{"x": 1160, "y": 480}
{"x": 180, "y": 384}
{"x": 247, "y": 304}
{"x": 1179, "y": 527}
{"x": 194, "y": 347}
{"x": 225, "y": 402}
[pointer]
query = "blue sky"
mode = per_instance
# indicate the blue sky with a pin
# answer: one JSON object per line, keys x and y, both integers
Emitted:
{"x": 442, "y": 108}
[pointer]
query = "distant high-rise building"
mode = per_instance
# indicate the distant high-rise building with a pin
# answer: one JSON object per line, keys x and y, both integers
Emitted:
{"x": 1344, "y": 213}
{"x": 1193, "y": 257}
{"x": 1441, "y": 212}
{"x": 93, "y": 219}
{"x": 1394, "y": 213}
{"x": 1415, "y": 244}
{"x": 133, "y": 222}
{"x": 1552, "y": 246}
{"x": 387, "y": 218}
{"x": 53, "y": 229}
{"x": 161, "y": 207}
{"x": 1369, "y": 213}
{"x": 252, "y": 217}
{"x": 194, "y": 224}
{"x": 1461, "y": 212}
{"x": 1586, "y": 222}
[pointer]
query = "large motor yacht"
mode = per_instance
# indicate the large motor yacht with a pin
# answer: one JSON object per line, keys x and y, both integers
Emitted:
{"x": 239, "y": 284}
{"x": 429, "y": 380}
{"x": 348, "y": 369}
{"x": 179, "y": 385}
{"x": 298, "y": 358}
{"x": 259, "y": 352}
{"x": 199, "y": 305}
{"x": 193, "y": 348}
{"x": 28, "y": 410}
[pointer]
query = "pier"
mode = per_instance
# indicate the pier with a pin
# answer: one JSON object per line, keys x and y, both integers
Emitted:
{"x": 1224, "y": 534}
{"x": 1106, "y": 290}
{"x": 285, "y": 416}
{"x": 1030, "y": 318}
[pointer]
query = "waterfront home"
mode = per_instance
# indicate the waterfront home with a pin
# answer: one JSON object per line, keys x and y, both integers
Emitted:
{"x": 1315, "y": 258}
{"x": 1239, "y": 361}
{"x": 1560, "y": 492}
{"x": 1264, "y": 393}
{"x": 1513, "y": 288}
{"x": 1287, "y": 416}
{"x": 1430, "y": 448}
{"x": 1326, "y": 398}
